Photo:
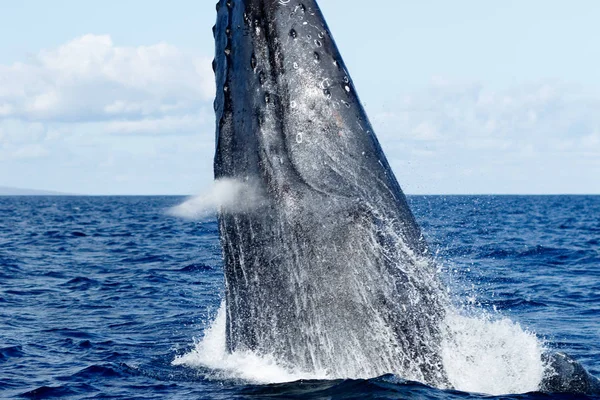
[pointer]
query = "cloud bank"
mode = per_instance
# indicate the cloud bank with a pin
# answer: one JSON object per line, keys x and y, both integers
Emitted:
{"x": 92, "y": 79}
{"x": 91, "y": 116}
{"x": 537, "y": 138}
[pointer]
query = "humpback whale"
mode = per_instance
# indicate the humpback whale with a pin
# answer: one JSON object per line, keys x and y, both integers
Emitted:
{"x": 329, "y": 271}
{"x": 326, "y": 269}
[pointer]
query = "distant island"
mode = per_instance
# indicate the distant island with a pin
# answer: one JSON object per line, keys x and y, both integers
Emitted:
{"x": 10, "y": 191}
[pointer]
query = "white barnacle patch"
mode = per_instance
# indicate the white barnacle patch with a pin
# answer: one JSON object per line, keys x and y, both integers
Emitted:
{"x": 325, "y": 83}
{"x": 299, "y": 137}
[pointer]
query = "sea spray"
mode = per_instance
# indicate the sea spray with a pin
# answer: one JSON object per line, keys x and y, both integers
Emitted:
{"x": 222, "y": 195}
{"x": 491, "y": 354}
{"x": 211, "y": 352}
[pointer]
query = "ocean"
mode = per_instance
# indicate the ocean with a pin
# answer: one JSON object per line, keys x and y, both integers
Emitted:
{"x": 114, "y": 298}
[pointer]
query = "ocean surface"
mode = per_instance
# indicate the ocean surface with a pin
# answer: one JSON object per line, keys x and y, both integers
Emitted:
{"x": 112, "y": 297}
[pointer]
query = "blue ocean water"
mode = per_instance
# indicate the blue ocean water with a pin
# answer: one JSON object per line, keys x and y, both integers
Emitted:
{"x": 98, "y": 295}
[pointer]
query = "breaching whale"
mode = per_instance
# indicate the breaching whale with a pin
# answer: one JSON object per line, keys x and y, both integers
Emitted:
{"x": 326, "y": 269}
{"x": 329, "y": 271}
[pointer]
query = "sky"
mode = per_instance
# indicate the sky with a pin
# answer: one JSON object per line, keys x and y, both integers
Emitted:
{"x": 466, "y": 97}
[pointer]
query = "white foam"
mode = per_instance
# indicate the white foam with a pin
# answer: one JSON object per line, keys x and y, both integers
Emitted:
{"x": 211, "y": 352}
{"x": 493, "y": 356}
{"x": 229, "y": 194}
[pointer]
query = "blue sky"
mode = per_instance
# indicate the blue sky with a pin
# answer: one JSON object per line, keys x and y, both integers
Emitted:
{"x": 466, "y": 96}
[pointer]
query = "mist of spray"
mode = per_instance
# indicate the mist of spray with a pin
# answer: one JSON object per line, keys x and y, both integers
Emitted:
{"x": 223, "y": 194}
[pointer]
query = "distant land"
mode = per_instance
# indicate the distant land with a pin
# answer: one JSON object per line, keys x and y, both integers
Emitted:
{"x": 10, "y": 191}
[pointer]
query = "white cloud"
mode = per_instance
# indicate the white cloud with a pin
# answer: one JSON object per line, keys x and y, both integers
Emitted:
{"x": 186, "y": 124}
{"x": 91, "y": 78}
{"x": 94, "y": 117}
{"x": 545, "y": 115}
{"x": 540, "y": 138}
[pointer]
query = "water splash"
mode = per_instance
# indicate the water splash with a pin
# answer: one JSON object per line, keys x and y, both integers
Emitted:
{"x": 385, "y": 312}
{"x": 230, "y": 195}
{"x": 211, "y": 352}
{"x": 487, "y": 354}
{"x": 480, "y": 354}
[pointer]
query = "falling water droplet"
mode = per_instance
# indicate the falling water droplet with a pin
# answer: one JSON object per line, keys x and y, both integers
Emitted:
{"x": 293, "y": 33}
{"x": 317, "y": 56}
{"x": 327, "y": 93}
{"x": 299, "y": 137}
{"x": 318, "y": 43}
{"x": 293, "y": 104}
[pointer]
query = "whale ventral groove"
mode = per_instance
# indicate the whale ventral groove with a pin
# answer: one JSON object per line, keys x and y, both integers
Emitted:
{"x": 329, "y": 271}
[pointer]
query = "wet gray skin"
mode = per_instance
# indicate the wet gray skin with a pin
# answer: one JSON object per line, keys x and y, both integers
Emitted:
{"x": 329, "y": 272}
{"x": 565, "y": 375}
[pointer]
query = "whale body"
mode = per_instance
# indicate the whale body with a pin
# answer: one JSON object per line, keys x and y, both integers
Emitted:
{"x": 328, "y": 272}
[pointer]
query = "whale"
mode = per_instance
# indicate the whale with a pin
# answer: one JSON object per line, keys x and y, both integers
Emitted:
{"x": 329, "y": 271}
{"x": 326, "y": 269}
